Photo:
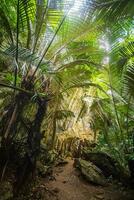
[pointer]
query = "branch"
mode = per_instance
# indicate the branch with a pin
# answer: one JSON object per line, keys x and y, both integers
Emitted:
{"x": 16, "y": 88}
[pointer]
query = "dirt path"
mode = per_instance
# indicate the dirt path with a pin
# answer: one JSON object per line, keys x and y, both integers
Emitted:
{"x": 69, "y": 185}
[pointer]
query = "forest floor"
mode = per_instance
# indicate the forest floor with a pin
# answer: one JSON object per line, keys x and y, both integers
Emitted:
{"x": 68, "y": 184}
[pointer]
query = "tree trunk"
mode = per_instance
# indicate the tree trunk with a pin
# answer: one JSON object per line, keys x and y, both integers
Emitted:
{"x": 28, "y": 167}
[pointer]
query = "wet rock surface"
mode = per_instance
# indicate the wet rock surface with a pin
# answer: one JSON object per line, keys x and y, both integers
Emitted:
{"x": 90, "y": 171}
{"x": 107, "y": 164}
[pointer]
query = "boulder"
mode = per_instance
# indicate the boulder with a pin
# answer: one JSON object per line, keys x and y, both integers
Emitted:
{"x": 90, "y": 171}
{"x": 107, "y": 164}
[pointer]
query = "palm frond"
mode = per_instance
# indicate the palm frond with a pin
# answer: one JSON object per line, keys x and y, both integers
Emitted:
{"x": 61, "y": 114}
{"x": 79, "y": 84}
{"x": 26, "y": 12}
{"x": 5, "y": 24}
{"x": 23, "y": 53}
{"x": 83, "y": 111}
{"x": 129, "y": 80}
{"x": 76, "y": 63}
{"x": 114, "y": 10}
{"x": 128, "y": 50}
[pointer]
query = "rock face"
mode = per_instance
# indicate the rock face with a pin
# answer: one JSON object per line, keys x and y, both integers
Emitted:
{"x": 90, "y": 171}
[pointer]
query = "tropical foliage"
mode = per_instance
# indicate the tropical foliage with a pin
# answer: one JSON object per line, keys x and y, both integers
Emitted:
{"x": 61, "y": 62}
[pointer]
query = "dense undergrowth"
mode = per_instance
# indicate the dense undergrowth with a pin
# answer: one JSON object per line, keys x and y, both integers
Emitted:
{"x": 66, "y": 86}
